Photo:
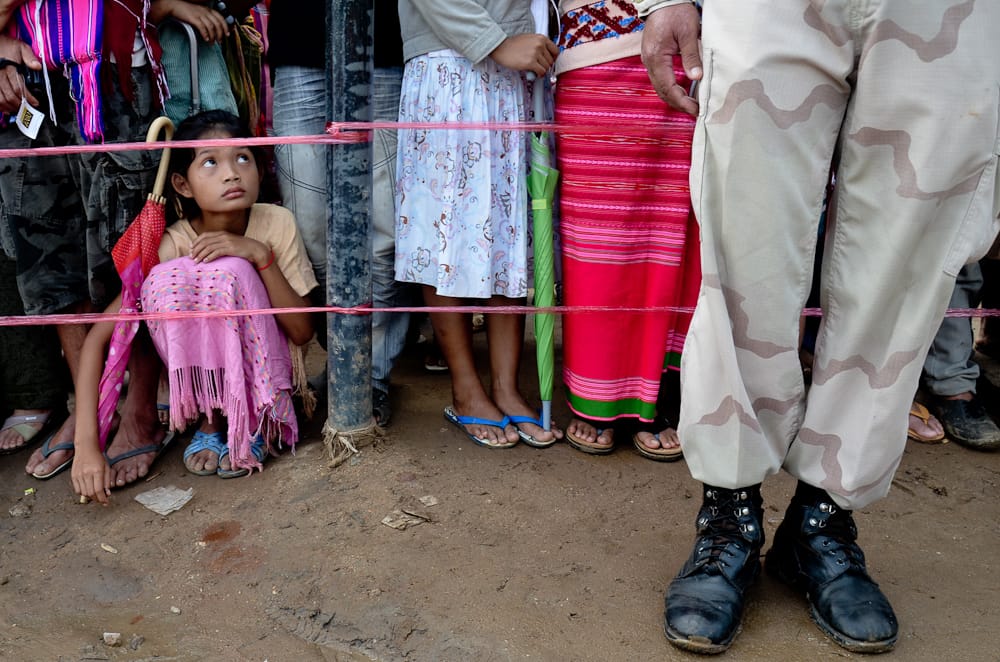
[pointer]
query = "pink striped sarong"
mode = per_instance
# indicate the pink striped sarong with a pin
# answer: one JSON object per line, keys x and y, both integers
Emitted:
{"x": 239, "y": 365}
{"x": 629, "y": 239}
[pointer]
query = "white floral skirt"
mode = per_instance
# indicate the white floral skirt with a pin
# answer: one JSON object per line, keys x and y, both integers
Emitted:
{"x": 461, "y": 199}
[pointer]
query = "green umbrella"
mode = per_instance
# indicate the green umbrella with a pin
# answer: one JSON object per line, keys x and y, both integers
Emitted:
{"x": 542, "y": 180}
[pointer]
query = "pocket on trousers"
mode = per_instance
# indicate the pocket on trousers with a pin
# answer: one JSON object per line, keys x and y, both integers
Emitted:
{"x": 699, "y": 140}
{"x": 977, "y": 234}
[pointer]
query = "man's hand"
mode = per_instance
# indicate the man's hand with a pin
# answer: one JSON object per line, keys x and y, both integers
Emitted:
{"x": 670, "y": 31}
{"x": 11, "y": 82}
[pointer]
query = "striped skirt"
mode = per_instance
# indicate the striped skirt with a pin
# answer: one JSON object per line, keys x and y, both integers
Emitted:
{"x": 629, "y": 239}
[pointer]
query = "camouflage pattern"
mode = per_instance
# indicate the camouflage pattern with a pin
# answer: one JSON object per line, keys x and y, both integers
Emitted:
{"x": 60, "y": 215}
{"x": 905, "y": 96}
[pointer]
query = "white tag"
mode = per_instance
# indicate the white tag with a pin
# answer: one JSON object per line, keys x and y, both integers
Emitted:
{"x": 29, "y": 119}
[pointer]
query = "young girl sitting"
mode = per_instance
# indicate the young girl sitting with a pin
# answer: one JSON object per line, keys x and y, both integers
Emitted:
{"x": 224, "y": 252}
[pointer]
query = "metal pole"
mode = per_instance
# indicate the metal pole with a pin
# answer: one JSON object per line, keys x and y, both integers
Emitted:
{"x": 349, "y": 212}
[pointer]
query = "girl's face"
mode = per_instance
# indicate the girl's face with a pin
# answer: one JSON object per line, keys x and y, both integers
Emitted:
{"x": 220, "y": 179}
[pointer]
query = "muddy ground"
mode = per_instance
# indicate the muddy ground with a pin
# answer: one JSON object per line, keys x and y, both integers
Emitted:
{"x": 529, "y": 555}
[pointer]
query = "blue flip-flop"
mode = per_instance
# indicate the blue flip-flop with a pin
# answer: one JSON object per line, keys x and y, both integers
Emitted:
{"x": 462, "y": 421}
{"x": 205, "y": 441}
{"x": 48, "y": 449}
{"x": 259, "y": 450}
{"x": 527, "y": 438}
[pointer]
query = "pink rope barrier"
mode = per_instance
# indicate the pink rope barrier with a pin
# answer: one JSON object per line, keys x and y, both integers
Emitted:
{"x": 340, "y": 133}
{"x": 93, "y": 318}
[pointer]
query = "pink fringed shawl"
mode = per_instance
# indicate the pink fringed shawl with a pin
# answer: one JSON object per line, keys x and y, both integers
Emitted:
{"x": 239, "y": 365}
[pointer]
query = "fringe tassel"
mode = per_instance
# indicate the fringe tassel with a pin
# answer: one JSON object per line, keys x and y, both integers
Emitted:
{"x": 86, "y": 92}
{"x": 300, "y": 380}
{"x": 341, "y": 445}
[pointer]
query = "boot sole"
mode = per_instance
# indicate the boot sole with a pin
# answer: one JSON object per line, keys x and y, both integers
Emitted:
{"x": 842, "y": 640}
{"x": 699, "y": 645}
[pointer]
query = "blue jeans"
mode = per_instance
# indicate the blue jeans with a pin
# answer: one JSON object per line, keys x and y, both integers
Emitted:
{"x": 300, "y": 109}
{"x": 388, "y": 329}
{"x": 949, "y": 368}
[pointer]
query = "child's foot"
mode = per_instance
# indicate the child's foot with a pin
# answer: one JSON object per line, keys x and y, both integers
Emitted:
{"x": 588, "y": 438}
{"x": 491, "y": 435}
{"x": 513, "y": 405}
{"x": 207, "y": 445}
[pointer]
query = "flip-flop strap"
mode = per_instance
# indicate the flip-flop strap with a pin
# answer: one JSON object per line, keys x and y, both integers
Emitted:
{"x": 21, "y": 419}
{"x": 517, "y": 420}
{"x": 48, "y": 449}
{"x": 472, "y": 420}
{"x": 142, "y": 450}
{"x": 257, "y": 447}
{"x": 205, "y": 441}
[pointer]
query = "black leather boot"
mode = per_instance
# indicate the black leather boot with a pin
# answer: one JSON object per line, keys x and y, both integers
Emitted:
{"x": 704, "y": 603}
{"x": 815, "y": 550}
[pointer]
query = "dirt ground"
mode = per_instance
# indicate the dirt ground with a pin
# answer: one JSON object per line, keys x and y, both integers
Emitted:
{"x": 528, "y": 555}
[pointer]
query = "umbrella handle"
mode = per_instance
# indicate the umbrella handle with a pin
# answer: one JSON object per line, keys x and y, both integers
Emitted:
{"x": 160, "y": 124}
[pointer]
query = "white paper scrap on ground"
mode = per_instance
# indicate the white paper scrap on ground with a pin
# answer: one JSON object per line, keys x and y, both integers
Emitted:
{"x": 165, "y": 500}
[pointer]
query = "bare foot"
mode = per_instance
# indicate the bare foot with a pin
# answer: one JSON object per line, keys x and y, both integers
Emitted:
{"x": 11, "y": 439}
{"x": 512, "y": 404}
{"x": 134, "y": 434}
{"x": 665, "y": 440}
{"x": 923, "y": 425}
{"x": 586, "y": 434}
{"x": 490, "y": 434}
{"x": 40, "y": 465}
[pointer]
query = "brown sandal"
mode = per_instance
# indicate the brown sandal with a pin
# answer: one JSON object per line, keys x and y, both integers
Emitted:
{"x": 924, "y": 415}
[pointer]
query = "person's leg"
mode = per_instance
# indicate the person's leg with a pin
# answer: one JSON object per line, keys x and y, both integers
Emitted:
{"x": 300, "y": 109}
{"x": 916, "y": 193}
{"x": 950, "y": 374}
{"x": 116, "y": 185}
{"x": 44, "y": 228}
{"x": 32, "y": 371}
{"x": 914, "y": 205}
{"x": 469, "y": 398}
{"x": 388, "y": 329}
{"x": 773, "y": 86}
{"x": 505, "y": 334}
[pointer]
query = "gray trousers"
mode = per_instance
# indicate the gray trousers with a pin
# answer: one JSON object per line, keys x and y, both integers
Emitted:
{"x": 949, "y": 368}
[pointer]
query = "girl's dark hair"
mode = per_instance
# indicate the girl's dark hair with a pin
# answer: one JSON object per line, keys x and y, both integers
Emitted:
{"x": 194, "y": 128}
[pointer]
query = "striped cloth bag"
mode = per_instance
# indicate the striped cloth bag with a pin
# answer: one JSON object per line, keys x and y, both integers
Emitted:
{"x": 67, "y": 34}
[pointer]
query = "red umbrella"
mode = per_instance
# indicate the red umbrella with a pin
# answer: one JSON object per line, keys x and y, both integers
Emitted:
{"x": 134, "y": 255}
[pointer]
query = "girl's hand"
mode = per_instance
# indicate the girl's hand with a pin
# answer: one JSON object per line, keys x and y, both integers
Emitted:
{"x": 91, "y": 474}
{"x": 210, "y": 24}
{"x": 526, "y": 52}
{"x": 213, "y": 245}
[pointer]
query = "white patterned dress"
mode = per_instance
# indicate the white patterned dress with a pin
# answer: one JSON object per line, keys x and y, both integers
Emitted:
{"x": 462, "y": 223}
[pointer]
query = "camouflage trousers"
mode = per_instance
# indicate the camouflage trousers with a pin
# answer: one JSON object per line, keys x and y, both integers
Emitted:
{"x": 904, "y": 97}
{"x": 60, "y": 215}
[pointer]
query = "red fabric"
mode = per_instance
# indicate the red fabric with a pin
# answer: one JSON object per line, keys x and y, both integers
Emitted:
{"x": 629, "y": 238}
{"x": 121, "y": 20}
{"x": 141, "y": 241}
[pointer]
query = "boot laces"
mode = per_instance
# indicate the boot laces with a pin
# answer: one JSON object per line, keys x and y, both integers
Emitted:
{"x": 837, "y": 533}
{"x": 723, "y": 527}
